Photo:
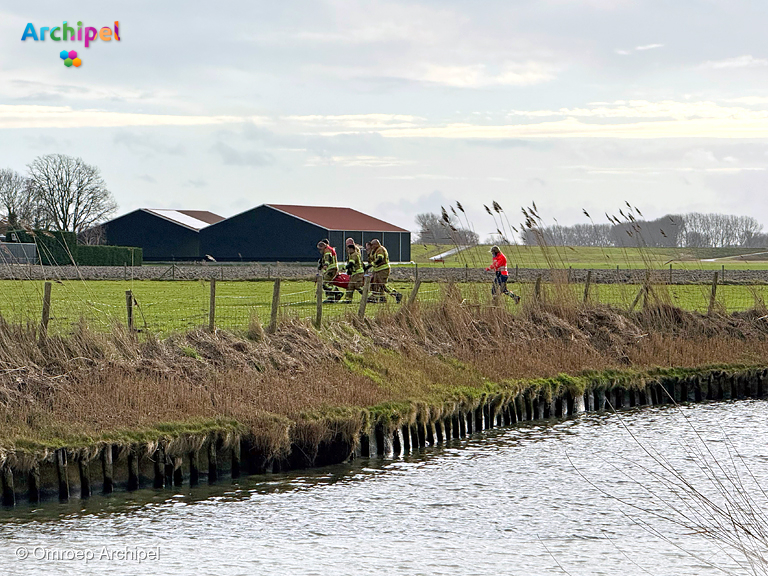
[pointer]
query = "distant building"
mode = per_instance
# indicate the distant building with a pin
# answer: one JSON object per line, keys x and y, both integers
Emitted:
{"x": 286, "y": 233}
{"x": 267, "y": 233}
{"x": 162, "y": 234}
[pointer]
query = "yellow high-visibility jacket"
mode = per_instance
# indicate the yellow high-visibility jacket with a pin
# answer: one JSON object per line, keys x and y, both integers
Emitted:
{"x": 380, "y": 259}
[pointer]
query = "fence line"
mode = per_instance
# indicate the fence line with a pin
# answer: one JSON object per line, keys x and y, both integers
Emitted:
{"x": 163, "y": 308}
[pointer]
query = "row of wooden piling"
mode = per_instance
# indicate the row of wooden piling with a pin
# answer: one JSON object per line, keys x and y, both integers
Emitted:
{"x": 495, "y": 411}
{"x": 168, "y": 467}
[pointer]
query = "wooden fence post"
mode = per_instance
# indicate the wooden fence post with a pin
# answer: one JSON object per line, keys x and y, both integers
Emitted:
{"x": 466, "y": 272}
{"x": 517, "y": 273}
{"x": 637, "y": 298}
{"x": 212, "y": 307}
{"x": 364, "y": 300}
{"x": 129, "y": 308}
{"x": 537, "y": 289}
{"x": 416, "y": 267}
{"x": 712, "y": 296}
{"x": 586, "y": 286}
{"x": 46, "y": 312}
{"x": 670, "y": 273}
{"x": 414, "y": 293}
{"x": 319, "y": 293}
{"x": 272, "y": 328}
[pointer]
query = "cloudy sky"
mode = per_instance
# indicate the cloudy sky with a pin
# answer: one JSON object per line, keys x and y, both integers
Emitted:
{"x": 399, "y": 108}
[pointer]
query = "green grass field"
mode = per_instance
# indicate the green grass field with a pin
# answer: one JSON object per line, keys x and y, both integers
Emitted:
{"x": 582, "y": 257}
{"x": 166, "y": 307}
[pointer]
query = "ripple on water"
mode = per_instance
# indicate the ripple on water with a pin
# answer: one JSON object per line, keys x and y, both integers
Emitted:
{"x": 517, "y": 501}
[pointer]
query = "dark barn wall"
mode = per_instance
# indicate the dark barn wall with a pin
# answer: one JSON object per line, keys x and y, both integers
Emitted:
{"x": 405, "y": 246}
{"x": 262, "y": 234}
{"x": 157, "y": 237}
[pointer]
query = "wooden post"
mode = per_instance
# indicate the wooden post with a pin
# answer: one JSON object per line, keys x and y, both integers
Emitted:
{"x": 159, "y": 468}
{"x": 466, "y": 272}
{"x": 178, "y": 474}
{"x": 168, "y": 468}
{"x": 319, "y": 298}
{"x": 713, "y": 296}
{"x": 637, "y": 298}
{"x": 61, "y": 473}
{"x": 213, "y": 472}
{"x": 416, "y": 267}
{"x": 33, "y": 484}
{"x": 236, "y": 459}
{"x": 272, "y": 328}
{"x": 364, "y": 300}
{"x": 6, "y": 479}
{"x": 133, "y": 468}
{"x": 173, "y": 271}
{"x": 46, "y": 312}
{"x": 414, "y": 293}
{"x": 125, "y": 271}
{"x": 586, "y": 286}
{"x": 537, "y": 289}
{"x": 194, "y": 468}
{"x": 85, "y": 478}
{"x": 517, "y": 273}
{"x": 129, "y": 308}
{"x": 670, "y": 273}
{"x": 106, "y": 467}
{"x": 212, "y": 307}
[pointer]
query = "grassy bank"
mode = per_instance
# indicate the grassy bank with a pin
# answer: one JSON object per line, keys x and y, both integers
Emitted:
{"x": 301, "y": 386}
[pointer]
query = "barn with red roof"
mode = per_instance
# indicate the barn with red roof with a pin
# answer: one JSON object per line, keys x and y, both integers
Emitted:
{"x": 289, "y": 233}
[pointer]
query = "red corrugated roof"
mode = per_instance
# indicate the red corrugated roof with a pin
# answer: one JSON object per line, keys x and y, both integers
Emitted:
{"x": 332, "y": 218}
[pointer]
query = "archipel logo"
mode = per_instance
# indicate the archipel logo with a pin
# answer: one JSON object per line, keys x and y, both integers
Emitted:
{"x": 70, "y": 58}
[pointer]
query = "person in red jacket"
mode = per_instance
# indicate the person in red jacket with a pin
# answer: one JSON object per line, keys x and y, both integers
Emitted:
{"x": 499, "y": 265}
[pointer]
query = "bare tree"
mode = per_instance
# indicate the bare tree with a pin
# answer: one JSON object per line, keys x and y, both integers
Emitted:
{"x": 70, "y": 192}
{"x": 17, "y": 204}
{"x": 435, "y": 230}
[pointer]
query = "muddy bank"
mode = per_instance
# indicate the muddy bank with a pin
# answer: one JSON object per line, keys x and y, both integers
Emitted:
{"x": 204, "y": 271}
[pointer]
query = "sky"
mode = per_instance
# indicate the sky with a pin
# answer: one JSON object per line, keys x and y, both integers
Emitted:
{"x": 400, "y": 108}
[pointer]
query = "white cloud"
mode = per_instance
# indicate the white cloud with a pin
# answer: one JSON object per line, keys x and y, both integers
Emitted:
{"x": 478, "y": 76}
{"x": 745, "y": 61}
{"x": 649, "y": 47}
{"x": 27, "y": 116}
{"x": 356, "y": 161}
{"x": 357, "y": 121}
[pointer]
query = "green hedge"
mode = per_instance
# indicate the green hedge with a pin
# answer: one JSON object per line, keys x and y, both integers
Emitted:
{"x": 108, "y": 256}
{"x": 61, "y": 249}
{"x": 53, "y": 248}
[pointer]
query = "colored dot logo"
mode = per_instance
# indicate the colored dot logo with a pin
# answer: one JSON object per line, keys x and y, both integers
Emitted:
{"x": 70, "y": 58}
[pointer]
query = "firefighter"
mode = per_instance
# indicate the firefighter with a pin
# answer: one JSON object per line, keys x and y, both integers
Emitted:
{"x": 354, "y": 269}
{"x": 328, "y": 268}
{"x": 379, "y": 258}
{"x": 499, "y": 265}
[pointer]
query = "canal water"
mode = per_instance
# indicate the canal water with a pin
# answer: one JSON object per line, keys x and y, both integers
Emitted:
{"x": 577, "y": 496}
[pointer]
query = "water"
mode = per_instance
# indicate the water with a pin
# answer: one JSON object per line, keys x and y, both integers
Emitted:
{"x": 506, "y": 502}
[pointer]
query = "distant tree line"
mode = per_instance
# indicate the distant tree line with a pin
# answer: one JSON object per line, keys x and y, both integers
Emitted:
{"x": 58, "y": 192}
{"x": 444, "y": 229}
{"x": 692, "y": 230}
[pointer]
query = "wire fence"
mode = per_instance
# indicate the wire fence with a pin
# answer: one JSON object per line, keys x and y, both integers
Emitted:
{"x": 164, "y": 307}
